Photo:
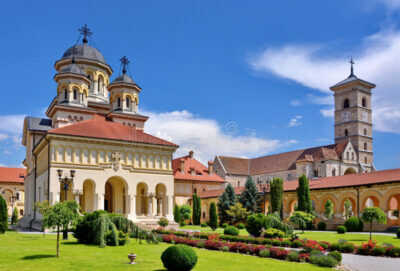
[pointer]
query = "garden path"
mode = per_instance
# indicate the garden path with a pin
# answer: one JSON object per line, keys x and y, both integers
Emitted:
{"x": 370, "y": 263}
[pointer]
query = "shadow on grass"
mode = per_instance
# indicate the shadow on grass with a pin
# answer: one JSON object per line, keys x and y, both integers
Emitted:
{"x": 69, "y": 243}
{"x": 38, "y": 256}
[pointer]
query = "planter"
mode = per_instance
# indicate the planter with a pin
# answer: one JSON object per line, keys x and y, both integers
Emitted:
{"x": 132, "y": 258}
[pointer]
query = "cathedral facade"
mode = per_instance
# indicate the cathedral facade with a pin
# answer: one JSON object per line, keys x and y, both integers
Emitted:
{"x": 92, "y": 147}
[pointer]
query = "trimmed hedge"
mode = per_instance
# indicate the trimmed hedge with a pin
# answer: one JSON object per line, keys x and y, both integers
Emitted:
{"x": 341, "y": 229}
{"x": 354, "y": 224}
{"x": 179, "y": 258}
{"x": 321, "y": 226}
{"x": 231, "y": 230}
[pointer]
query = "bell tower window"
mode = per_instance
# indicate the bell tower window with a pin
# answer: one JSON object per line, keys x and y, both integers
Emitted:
{"x": 346, "y": 132}
{"x": 75, "y": 94}
{"x": 128, "y": 102}
{"x": 100, "y": 85}
{"x": 65, "y": 94}
{"x": 346, "y": 103}
{"x": 365, "y": 146}
{"x": 364, "y": 102}
{"x": 365, "y": 131}
{"x": 119, "y": 103}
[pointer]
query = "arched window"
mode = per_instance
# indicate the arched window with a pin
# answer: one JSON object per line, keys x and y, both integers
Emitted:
{"x": 364, "y": 102}
{"x": 75, "y": 94}
{"x": 365, "y": 160}
{"x": 347, "y": 156}
{"x": 352, "y": 156}
{"x": 365, "y": 146}
{"x": 346, "y": 103}
{"x": 100, "y": 84}
{"x": 346, "y": 132}
{"x": 334, "y": 172}
{"x": 128, "y": 102}
{"x": 65, "y": 94}
{"x": 365, "y": 131}
{"x": 119, "y": 102}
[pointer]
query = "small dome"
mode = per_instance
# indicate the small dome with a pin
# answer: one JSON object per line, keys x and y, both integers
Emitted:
{"x": 124, "y": 78}
{"x": 84, "y": 51}
{"x": 73, "y": 68}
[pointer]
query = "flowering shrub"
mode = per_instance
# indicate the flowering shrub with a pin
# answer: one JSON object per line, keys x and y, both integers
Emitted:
{"x": 310, "y": 245}
{"x": 278, "y": 253}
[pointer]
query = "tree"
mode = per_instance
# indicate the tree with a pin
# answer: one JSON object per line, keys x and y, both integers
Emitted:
{"x": 328, "y": 212}
{"x": 301, "y": 219}
{"x": 186, "y": 212}
{"x": 249, "y": 197}
{"x": 213, "y": 223}
{"x": 237, "y": 213}
{"x": 303, "y": 195}
{"x": 177, "y": 214}
{"x": 14, "y": 217}
{"x": 196, "y": 209}
{"x": 3, "y": 215}
{"x": 276, "y": 192}
{"x": 59, "y": 215}
{"x": 347, "y": 209}
{"x": 225, "y": 201}
{"x": 371, "y": 215}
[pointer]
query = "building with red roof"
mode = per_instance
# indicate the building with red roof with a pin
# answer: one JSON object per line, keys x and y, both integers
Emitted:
{"x": 12, "y": 188}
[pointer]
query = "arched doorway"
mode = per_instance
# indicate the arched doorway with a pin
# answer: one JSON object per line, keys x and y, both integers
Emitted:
{"x": 161, "y": 192}
{"x": 371, "y": 201}
{"x": 394, "y": 207}
{"x": 87, "y": 200}
{"x": 292, "y": 206}
{"x": 350, "y": 170}
{"x": 115, "y": 195}
{"x": 142, "y": 199}
{"x": 348, "y": 207}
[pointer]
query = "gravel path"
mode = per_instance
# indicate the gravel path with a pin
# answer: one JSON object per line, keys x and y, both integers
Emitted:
{"x": 370, "y": 263}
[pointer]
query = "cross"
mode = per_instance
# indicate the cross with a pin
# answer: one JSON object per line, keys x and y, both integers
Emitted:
{"x": 125, "y": 62}
{"x": 85, "y": 31}
{"x": 351, "y": 66}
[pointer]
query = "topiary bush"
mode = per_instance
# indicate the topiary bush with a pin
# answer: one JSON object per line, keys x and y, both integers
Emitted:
{"x": 179, "y": 258}
{"x": 163, "y": 222}
{"x": 341, "y": 229}
{"x": 273, "y": 233}
{"x": 255, "y": 224}
{"x": 241, "y": 226}
{"x": 354, "y": 224}
{"x": 3, "y": 215}
{"x": 323, "y": 260}
{"x": 321, "y": 226}
{"x": 346, "y": 247}
{"x": 203, "y": 225}
{"x": 337, "y": 255}
{"x": 231, "y": 230}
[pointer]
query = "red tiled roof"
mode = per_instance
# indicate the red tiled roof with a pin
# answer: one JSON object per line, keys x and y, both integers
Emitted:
{"x": 201, "y": 171}
{"x": 235, "y": 165}
{"x": 12, "y": 175}
{"x": 99, "y": 127}
{"x": 217, "y": 193}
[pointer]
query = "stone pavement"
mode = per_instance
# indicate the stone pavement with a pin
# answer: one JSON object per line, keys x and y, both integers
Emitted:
{"x": 370, "y": 263}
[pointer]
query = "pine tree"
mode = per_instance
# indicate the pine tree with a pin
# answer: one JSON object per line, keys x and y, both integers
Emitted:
{"x": 276, "y": 192}
{"x": 3, "y": 215}
{"x": 249, "y": 197}
{"x": 177, "y": 214}
{"x": 303, "y": 195}
{"x": 213, "y": 223}
{"x": 196, "y": 210}
{"x": 225, "y": 201}
{"x": 14, "y": 217}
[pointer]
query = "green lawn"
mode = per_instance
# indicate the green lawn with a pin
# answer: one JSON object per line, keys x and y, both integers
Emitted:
{"x": 35, "y": 252}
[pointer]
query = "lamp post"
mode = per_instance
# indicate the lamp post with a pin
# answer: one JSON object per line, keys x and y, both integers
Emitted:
{"x": 65, "y": 181}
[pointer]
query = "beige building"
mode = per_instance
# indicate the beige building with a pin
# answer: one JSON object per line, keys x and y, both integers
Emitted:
{"x": 12, "y": 188}
{"x": 92, "y": 147}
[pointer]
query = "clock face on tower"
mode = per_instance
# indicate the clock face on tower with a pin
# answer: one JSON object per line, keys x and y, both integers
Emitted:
{"x": 346, "y": 116}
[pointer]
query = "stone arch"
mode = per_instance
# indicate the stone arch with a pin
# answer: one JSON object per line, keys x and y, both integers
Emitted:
{"x": 161, "y": 199}
{"x": 88, "y": 197}
{"x": 350, "y": 170}
{"x": 371, "y": 199}
{"x": 392, "y": 201}
{"x": 353, "y": 200}
{"x": 292, "y": 206}
{"x": 115, "y": 195}
{"x": 142, "y": 199}
{"x": 325, "y": 199}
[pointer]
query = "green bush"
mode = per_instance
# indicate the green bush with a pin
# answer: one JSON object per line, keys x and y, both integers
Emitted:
{"x": 378, "y": 251}
{"x": 398, "y": 233}
{"x": 321, "y": 226}
{"x": 335, "y": 246}
{"x": 163, "y": 222}
{"x": 241, "y": 226}
{"x": 122, "y": 238}
{"x": 3, "y": 215}
{"x": 225, "y": 225}
{"x": 273, "y": 233}
{"x": 265, "y": 253}
{"x": 14, "y": 217}
{"x": 179, "y": 258}
{"x": 393, "y": 252}
{"x": 323, "y": 260}
{"x": 225, "y": 249}
{"x": 354, "y": 224}
{"x": 337, "y": 255}
{"x": 293, "y": 256}
{"x": 255, "y": 224}
{"x": 203, "y": 225}
{"x": 231, "y": 230}
{"x": 346, "y": 247}
{"x": 341, "y": 229}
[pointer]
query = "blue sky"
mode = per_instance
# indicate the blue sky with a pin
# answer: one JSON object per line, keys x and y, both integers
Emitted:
{"x": 220, "y": 77}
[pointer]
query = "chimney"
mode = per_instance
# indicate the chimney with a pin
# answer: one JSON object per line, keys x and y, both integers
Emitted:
{"x": 182, "y": 165}
{"x": 191, "y": 154}
{"x": 210, "y": 167}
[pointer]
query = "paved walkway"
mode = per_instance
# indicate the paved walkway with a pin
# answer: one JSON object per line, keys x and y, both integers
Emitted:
{"x": 370, "y": 263}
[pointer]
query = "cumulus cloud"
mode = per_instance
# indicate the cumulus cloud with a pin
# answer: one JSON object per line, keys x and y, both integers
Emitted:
{"x": 207, "y": 137}
{"x": 378, "y": 61}
{"x": 11, "y": 124}
{"x": 295, "y": 121}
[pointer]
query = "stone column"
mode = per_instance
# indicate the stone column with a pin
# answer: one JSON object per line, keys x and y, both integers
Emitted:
{"x": 100, "y": 201}
{"x": 154, "y": 199}
{"x": 170, "y": 205}
{"x": 132, "y": 213}
{"x": 150, "y": 202}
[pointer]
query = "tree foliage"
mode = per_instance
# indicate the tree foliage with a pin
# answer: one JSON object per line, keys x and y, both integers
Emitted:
{"x": 213, "y": 223}
{"x": 196, "y": 209}
{"x": 371, "y": 215}
{"x": 237, "y": 213}
{"x": 328, "y": 209}
{"x": 347, "y": 209}
{"x": 301, "y": 219}
{"x": 249, "y": 197}
{"x": 186, "y": 212}
{"x": 14, "y": 217}
{"x": 303, "y": 195}
{"x": 225, "y": 201}
{"x": 3, "y": 215}
{"x": 177, "y": 214}
{"x": 276, "y": 192}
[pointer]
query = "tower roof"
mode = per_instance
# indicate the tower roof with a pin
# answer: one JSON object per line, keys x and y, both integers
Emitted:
{"x": 352, "y": 78}
{"x": 84, "y": 51}
{"x": 73, "y": 68}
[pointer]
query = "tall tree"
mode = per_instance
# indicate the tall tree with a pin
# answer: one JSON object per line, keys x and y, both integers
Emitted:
{"x": 225, "y": 201}
{"x": 59, "y": 215}
{"x": 177, "y": 214}
{"x": 213, "y": 223}
{"x": 237, "y": 213}
{"x": 328, "y": 212}
{"x": 196, "y": 209}
{"x": 371, "y": 215}
{"x": 14, "y": 217}
{"x": 3, "y": 215}
{"x": 276, "y": 192}
{"x": 249, "y": 197}
{"x": 303, "y": 195}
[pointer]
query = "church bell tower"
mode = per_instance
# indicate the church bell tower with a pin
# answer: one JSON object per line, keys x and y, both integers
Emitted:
{"x": 353, "y": 116}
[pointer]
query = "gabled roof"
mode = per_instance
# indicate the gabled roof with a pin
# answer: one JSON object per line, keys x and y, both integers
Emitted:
{"x": 282, "y": 161}
{"x": 201, "y": 172}
{"x": 99, "y": 127}
{"x": 352, "y": 78}
{"x": 12, "y": 175}
{"x": 216, "y": 193}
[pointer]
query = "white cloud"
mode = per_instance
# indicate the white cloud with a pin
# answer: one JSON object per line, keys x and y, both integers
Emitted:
{"x": 378, "y": 61}
{"x": 295, "y": 121}
{"x": 12, "y": 124}
{"x": 329, "y": 113}
{"x": 206, "y": 137}
{"x": 295, "y": 103}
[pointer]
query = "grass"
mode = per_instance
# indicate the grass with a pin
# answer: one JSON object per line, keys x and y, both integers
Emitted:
{"x": 35, "y": 252}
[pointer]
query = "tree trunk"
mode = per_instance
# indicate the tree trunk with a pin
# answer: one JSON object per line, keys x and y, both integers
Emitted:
{"x": 65, "y": 232}
{"x": 58, "y": 241}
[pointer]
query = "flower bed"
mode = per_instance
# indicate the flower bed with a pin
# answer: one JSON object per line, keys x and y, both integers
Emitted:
{"x": 369, "y": 248}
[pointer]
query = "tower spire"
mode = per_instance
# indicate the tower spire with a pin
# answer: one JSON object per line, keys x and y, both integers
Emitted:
{"x": 124, "y": 61}
{"x": 351, "y": 67}
{"x": 85, "y": 32}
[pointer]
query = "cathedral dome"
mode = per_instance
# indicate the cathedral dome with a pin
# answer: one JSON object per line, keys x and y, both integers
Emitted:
{"x": 124, "y": 78}
{"x": 84, "y": 51}
{"x": 73, "y": 69}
